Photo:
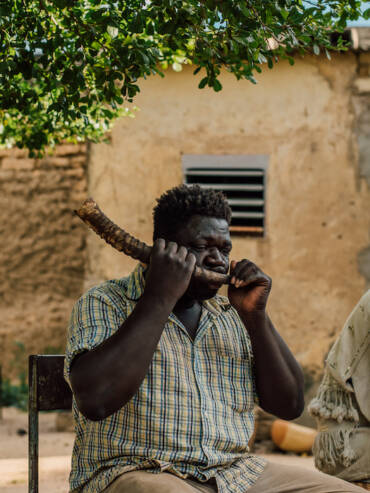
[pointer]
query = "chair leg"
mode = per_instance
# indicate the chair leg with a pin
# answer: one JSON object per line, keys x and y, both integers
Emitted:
{"x": 33, "y": 427}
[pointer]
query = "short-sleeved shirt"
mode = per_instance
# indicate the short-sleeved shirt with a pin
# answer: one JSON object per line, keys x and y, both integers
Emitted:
{"x": 192, "y": 414}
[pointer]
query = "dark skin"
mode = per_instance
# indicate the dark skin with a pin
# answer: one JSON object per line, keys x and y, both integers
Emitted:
{"x": 208, "y": 239}
{"x": 203, "y": 241}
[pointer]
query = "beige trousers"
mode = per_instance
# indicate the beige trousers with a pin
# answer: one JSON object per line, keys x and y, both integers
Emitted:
{"x": 276, "y": 478}
{"x": 164, "y": 482}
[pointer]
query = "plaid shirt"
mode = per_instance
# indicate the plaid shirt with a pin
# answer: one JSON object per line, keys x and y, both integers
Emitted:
{"x": 193, "y": 413}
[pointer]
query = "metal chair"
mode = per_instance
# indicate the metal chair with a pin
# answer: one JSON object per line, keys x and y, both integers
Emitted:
{"x": 47, "y": 391}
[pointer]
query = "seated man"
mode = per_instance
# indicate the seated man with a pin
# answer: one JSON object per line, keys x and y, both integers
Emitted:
{"x": 165, "y": 372}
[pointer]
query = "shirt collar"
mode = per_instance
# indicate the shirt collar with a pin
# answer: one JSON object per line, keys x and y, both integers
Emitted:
{"x": 136, "y": 283}
{"x": 217, "y": 304}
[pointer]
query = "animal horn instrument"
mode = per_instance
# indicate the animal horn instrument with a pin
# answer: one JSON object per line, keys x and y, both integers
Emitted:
{"x": 95, "y": 218}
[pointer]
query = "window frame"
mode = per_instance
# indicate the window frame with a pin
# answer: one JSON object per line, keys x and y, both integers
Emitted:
{"x": 258, "y": 162}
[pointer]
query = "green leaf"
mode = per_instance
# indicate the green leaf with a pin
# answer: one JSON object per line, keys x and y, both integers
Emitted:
{"x": 67, "y": 67}
{"x": 243, "y": 8}
{"x": 217, "y": 85}
{"x": 203, "y": 82}
{"x": 366, "y": 14}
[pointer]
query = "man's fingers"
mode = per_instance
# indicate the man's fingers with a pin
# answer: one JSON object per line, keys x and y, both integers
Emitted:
{"x": 191, "y": 260}
{"x": 233, "y": 264}
{"x": 241, "y": 283}
{"x": 242, "y": 270}
{"x": 182, "y": 252}
{"x": 245, "y": 273}
{"x": 174, "y": 252}
{"x": 159, "y": 245}
{"x": 172, "y": 247}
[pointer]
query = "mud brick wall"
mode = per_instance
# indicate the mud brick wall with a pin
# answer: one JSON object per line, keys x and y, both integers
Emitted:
{"x": 42, "y": 254}
{"x": 361, "y": 100}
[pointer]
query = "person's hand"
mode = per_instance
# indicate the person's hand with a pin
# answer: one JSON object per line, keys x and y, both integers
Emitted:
{"x": 170, "y": 270}
{"x": 249, "y": 287}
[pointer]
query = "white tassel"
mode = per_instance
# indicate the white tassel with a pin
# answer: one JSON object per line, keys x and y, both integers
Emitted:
{"x": 333, "y": 402}
{"x": 332, "y": 448}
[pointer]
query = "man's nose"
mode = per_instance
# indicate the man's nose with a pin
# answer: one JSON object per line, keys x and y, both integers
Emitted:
{"x": 215, "y": 258}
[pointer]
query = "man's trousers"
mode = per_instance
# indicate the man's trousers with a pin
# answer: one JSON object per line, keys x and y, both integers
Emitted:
{"x": 276, "y": 478}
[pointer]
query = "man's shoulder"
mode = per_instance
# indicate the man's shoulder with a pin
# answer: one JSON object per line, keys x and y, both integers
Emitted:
{"x": 111, "y": 292}
{"x": 108, "y": 287}
{"x": 105, "y": 302}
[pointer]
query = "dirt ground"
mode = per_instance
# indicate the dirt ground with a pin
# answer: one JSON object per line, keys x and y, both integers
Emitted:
{"x": 55, "y": 448}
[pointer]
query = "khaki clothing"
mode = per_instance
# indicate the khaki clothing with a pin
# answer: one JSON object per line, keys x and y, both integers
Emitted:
{"x": 164, "y": 482}
{"x": 342, "y": 403}
{"x": 276, "y": 478}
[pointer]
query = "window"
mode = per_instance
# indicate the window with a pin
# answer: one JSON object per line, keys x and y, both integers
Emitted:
{"x": 243, "y": 181}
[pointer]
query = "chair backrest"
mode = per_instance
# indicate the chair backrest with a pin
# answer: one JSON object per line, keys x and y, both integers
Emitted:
{"x": 47, "y": 391}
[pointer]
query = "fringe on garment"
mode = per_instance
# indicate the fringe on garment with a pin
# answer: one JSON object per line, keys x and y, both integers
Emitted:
{"x": 333, "y": 402}
{"x": 337, "y": 416}
{"x": 332, "y": 448}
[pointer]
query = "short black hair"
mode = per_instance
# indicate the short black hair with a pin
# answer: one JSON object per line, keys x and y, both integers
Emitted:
{"x": 176, "y": 206}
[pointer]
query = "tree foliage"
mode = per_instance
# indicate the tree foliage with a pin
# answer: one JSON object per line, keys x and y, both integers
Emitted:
{"x": 68, "y": 68}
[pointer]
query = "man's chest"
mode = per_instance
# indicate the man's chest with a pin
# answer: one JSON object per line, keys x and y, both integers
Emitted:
{"x": 190, "y": 320}
{"x": 212, "y": 371}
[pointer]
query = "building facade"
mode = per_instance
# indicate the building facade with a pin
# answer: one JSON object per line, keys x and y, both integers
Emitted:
{"x": 311, "y": 124}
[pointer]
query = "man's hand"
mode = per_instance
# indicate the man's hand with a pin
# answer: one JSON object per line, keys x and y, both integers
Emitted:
{"x": 170, "y": 270}
{"x": 249, "y": 287}
{"x": 278, "y": 376}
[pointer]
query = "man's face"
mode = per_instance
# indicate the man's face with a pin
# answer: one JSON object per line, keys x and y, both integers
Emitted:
{"x": 208, "y": 238}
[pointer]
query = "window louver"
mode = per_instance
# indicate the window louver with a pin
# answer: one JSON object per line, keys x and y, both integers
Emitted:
{"x": 241, "y": 178}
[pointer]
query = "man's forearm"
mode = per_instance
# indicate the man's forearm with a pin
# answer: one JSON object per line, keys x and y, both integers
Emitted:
{"x": 105, "y": 378}
{"x": 279, "y": 378}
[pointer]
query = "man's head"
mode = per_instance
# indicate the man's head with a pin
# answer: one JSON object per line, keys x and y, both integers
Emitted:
{"x": 176, "y": 206}
{"x": 198, "y": 219}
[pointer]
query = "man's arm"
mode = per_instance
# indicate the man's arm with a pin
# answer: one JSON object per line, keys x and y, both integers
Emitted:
{"x": 106, "y": 378}
{"x": 279, "y": 378}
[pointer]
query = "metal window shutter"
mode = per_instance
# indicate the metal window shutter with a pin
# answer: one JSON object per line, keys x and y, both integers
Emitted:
{"x": 241, "y": 178}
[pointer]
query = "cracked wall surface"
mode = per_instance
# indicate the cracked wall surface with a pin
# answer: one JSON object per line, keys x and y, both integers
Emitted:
{"x": 42, "y": 256}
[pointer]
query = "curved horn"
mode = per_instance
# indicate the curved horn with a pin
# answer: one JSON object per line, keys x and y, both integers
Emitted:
{"x": 95, "y": 218}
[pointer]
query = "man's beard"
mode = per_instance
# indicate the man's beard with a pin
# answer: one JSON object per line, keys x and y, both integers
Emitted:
{"x": 202, "y": 290}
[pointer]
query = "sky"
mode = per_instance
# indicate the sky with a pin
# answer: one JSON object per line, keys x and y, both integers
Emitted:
{"x": 359, "y": 23}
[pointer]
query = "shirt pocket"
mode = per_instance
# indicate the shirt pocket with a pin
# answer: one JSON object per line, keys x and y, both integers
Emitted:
{"x": 232, "y": 384}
